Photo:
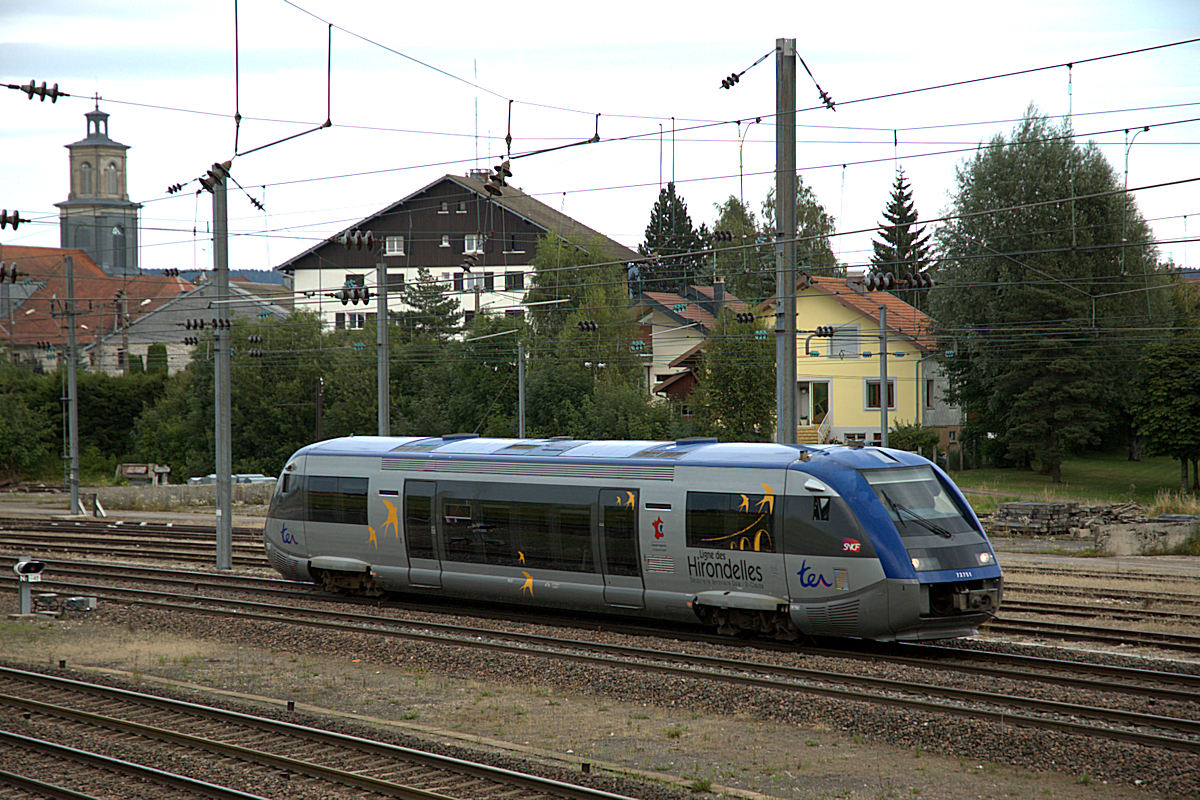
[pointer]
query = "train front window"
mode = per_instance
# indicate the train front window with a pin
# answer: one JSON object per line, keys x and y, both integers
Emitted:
{"x": 917, "y": 502}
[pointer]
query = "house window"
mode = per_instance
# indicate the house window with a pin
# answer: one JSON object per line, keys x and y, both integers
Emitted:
{"x": 458, "y": 281}
{"x": 514, "y": 281}
{"x": 110, "y": 178}
{"x": 473, "y": 243}
{"x": 445, "y": 240}
{"x": 872, "y": 393}
{"x": 468, "y": 317}
{"x": 953, "y": 436}
{"x": 339, "y": 320}
{"x": 393, "y": 246}
{"x": 85, "y": 178}
{"x": 462, "y": 206}
{"x": 355, "y": 322}
{"x": 856, "y": 437}
{"x": 444, "y": 207}
{"x": 355, "y": 280}
{"x": 475, "y": 283}
{"x": 512, "y": 245}
{"x": 395, "y": 281}
{"x": 929, "y": 393}
{"x": 844, "y": 342}
{"x": 446, "y": 278}
{"x": 489, "y": 281}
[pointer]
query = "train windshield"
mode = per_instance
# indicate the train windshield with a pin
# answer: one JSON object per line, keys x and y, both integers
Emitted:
{"x": 918, "y": 502}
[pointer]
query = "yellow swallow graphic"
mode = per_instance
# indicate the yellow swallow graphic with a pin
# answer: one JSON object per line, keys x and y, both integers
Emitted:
{"x": 768, "y": 499}
{"x": 630, "y": 494}
{"x": 391, "y": 519}
{"x": 520, "y": 557}
{"x": 372, "y": 539}
{"x": 745, "y": 506}
{"x": 528, "y": 583}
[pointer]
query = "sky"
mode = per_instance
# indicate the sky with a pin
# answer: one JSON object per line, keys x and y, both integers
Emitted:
{"x": 416, "y": 91}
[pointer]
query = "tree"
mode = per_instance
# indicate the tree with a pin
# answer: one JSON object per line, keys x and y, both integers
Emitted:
{"x": 905, "y": 246}
{"x": 432, "y": 310}
{"x": 1035, "y": 299}
{"x": 1166, "y": 408}
{"x": 739, "y": 258}
{"x": 671, "y": 244}
{"x": 814, "y": 226}
{"x": 735, "y": 393}
{"x": 912, "y": 437}
{"x": 24, "y": 438}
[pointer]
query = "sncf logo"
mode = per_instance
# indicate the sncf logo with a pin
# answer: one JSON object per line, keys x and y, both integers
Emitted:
{"x": 851, "y": 545}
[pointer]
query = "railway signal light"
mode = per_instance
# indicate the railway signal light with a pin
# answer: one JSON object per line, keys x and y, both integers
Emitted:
{"x": 586, "y": 325}
{"x": 10, "y": 218}
{"x": 499, "y": 178}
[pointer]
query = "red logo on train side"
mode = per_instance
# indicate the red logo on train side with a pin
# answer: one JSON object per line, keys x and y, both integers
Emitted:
{"x": 851, "y": 545}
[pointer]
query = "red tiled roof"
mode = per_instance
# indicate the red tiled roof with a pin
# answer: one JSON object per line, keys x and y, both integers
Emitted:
{"x": 690, "y": 311}
{"x": 38, "y": 318}
{"x": 902, "y": 318}
{"x": 734, "y": 303}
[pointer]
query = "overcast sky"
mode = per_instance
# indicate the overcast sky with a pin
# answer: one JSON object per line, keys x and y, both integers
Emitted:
{"x": 406, "y": 112}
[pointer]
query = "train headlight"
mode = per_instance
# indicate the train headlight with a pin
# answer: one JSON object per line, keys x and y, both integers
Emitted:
{"x": 916, "y": 562}
{"x": 986, "y": 558}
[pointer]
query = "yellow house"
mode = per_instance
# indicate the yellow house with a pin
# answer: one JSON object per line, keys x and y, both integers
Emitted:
{"x": 838, "y": 377}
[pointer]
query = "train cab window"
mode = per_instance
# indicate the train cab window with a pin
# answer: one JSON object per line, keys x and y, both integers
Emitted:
{"x": 731, "y": 521}
{"x": 288, "y": 502}
{"x": 337, "y": 499}
{"x": 821, "y": 508}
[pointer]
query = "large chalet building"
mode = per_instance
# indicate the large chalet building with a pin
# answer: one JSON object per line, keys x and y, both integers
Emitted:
{"x": 477, "y": 243}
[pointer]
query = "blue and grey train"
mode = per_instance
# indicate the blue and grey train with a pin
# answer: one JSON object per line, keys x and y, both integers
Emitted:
{"x": 778, "y": 540}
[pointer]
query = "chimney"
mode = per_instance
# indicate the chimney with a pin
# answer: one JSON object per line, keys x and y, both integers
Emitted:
{"x": 718, "y": 295}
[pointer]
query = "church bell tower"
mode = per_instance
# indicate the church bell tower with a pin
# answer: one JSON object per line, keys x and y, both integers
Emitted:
{"x": 97, "y": 217}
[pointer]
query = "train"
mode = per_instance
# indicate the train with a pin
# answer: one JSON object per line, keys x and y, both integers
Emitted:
{"x": 775, "y": 540}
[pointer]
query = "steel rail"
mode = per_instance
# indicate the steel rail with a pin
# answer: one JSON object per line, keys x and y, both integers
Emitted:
{"x": 41, "y": 788}
{"x": 726, "y": 670}
{"x": 202, "y": 788}
{"x": 289, "y": 589}
{"x": 390, "y": 752}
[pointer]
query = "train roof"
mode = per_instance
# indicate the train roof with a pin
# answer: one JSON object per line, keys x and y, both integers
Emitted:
{"x": 685, "y": 452}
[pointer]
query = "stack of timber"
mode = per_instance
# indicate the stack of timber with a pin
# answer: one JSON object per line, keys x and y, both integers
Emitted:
{"x": 1059, "y": 518}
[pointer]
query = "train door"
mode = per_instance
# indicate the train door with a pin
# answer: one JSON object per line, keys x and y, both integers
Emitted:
{"x": 619, "y": 558}
{"x": 420, "y": 534}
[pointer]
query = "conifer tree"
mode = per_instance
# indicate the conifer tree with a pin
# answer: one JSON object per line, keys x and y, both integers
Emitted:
{"x": 905, "y": 247}
{"x": 671, "y": 245}
{"x": 433, "y": 311}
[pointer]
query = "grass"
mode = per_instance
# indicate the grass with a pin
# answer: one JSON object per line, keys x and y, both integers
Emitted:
{"x": 1094, "y": 477}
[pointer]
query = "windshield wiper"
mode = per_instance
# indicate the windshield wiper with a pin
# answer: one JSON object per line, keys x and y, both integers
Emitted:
{"x": 932, "y": 527}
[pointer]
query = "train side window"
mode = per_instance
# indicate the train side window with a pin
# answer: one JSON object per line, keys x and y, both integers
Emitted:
{"x": 418, "y": 528}
{"x": 821, "y": 508}
{"x": 531, "y": 526}
{"x": 731, "y": 521}
{"x": 324, "y": 504}
{"x": 620, "y": 539}
{"x": 575, "y": 538}
{"x": 464, "y": 541}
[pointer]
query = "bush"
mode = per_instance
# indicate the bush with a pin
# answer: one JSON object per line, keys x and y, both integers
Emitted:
{"x": 912, "y": 437}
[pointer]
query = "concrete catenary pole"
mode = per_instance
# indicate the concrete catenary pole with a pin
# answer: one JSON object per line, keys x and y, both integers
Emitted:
{"x": 382, "y": 383}
{"x": 222, "y": 372}
{"x": 785, "y": 241}
{"x": 72, "y": 391}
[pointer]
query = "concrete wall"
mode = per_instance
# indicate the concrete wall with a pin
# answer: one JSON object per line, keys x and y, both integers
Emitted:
{"x": 155, "y": 498}
{"x": 1142, "y": 538}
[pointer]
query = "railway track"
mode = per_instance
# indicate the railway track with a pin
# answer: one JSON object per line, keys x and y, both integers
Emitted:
{"x": 280, "y": 758}
{"x": 1118, "y": 715}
